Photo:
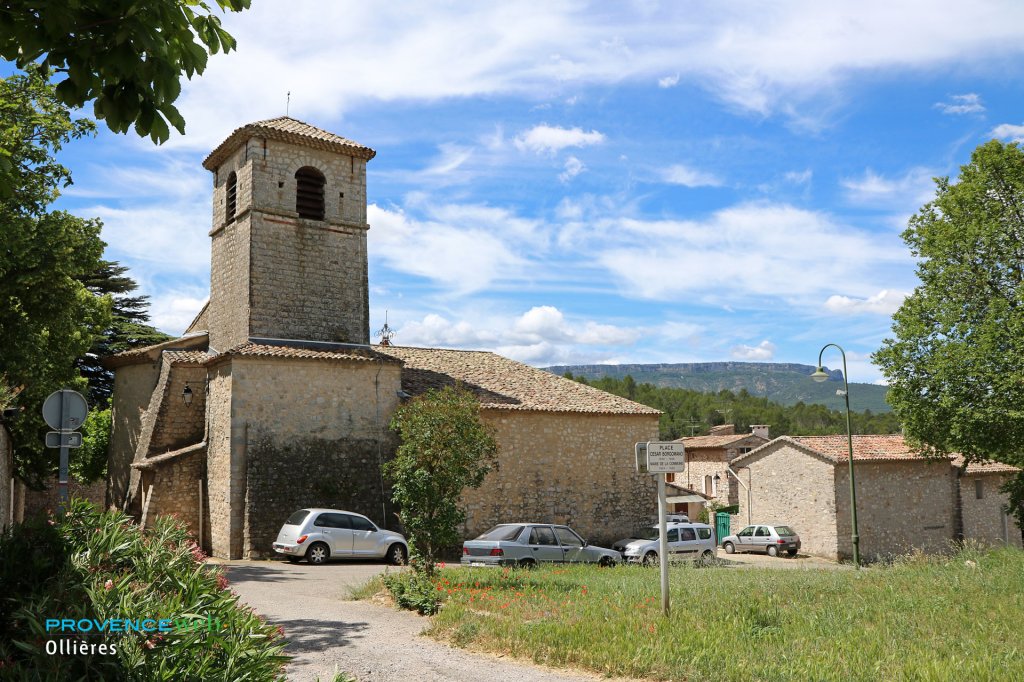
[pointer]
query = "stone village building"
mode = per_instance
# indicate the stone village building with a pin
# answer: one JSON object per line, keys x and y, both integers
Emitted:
{"x": 905, "y": 502}
{"x": 274, "y": 399}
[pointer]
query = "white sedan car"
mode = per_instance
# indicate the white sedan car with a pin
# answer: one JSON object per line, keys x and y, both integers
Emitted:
{"x": 318, "y": 535}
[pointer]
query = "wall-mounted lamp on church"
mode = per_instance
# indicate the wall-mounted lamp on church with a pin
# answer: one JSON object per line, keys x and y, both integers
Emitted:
{"x": 186, "y": 395}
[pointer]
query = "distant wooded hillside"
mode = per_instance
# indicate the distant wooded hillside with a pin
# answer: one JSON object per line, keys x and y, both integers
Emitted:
{"x": 787, "y": 384}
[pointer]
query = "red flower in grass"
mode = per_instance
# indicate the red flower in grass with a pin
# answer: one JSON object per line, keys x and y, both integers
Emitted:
{"x": 109, "y": 585}
{"x": 149, "y": 644}
{"x": 222, "y": 581}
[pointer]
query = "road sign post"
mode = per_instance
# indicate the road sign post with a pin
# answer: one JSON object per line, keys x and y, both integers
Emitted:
{"x": 65, "y": 411}
{"x": 660, "y": 459}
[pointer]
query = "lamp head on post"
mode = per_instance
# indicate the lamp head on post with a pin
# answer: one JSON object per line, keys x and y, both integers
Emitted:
{"x": 820, "y": 375}
{"x": 186, "y": 395}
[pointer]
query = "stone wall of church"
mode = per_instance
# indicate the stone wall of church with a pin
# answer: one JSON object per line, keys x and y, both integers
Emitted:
{"x": 572, "y": 468}
{"x": 218, "y": 462}
{"x": 176, "y": 489}
{"x": 133, "y": 389}
{"x": 315, "y": 434}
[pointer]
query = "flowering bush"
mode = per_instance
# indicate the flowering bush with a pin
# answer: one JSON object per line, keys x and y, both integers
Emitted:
{"x": 99, "y": 566}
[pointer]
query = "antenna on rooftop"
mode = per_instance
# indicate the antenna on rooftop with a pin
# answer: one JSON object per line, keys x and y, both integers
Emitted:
{"x": 385, "y": 333}
{"x": 288, "y": 103}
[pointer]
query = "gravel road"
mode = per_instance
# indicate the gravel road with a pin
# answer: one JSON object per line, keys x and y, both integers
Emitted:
{"x": 328, "y": 632}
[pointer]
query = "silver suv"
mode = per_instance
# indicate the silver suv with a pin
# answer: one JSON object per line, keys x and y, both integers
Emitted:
{"x": 695, "y": 541}
{"x": 770, "y": 538}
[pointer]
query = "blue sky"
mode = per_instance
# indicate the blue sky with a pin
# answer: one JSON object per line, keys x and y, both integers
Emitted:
{"x": 570, "y": 182}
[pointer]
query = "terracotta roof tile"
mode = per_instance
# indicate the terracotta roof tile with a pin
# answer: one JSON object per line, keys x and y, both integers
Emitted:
{"x": 187, "y": 342}
{"x": 987, "y": 467}
{"x": 187, "y": 357}
{"x": 865, "y": 447}
{"x": 363, "y": 354}
{"x": 504, "y": 384}
{"x": 287, "y": 129}
{"x": 713, "y": 441}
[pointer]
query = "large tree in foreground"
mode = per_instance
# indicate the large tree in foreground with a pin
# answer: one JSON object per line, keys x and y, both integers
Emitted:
{"x": 955, "y": 370}
{"x": 48, "y": 318}
{"x": 444, "y": 449}
{"x": 125, "y": 56}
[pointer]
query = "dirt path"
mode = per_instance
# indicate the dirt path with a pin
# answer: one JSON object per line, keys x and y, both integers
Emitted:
{"x": 327, "y": 632}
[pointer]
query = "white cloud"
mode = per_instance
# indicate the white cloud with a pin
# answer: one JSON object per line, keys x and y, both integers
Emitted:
{"x": 457, "y": 247}
{"x": 668, "y": 81}
{"x": 541, "y": 335}
{"x": 172, "y": 311}
{"x": 573, "y": 167}
{"x": 885, "y": 302}
{"x": 551, "y": 139}
{"x": 762, "y": 352}
{"x": 799, "y": 178}
{"x": 761, "y": 57}
{"x": 678, "y": 174}
{"x": 743, "y": 256}
{"x": 962, "y": 104}
{"x": 1008, "y": 131}
{"x": 913, "y": 188}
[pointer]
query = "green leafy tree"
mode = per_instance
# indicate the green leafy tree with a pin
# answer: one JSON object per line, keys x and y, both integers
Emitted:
{"x": 954, "y": 365}
{"x": 89, "y": 462}
{"x": 47, "y": 316}
{"x": 444, "y": 449}
{"x": 127, "y": 330}
{"x": 126, "y": 56}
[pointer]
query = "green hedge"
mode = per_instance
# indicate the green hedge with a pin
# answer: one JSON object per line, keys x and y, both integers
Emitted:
{"x": 99, "y": 566}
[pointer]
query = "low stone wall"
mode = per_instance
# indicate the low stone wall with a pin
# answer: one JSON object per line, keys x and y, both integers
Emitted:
{"x": 48, "y": 499}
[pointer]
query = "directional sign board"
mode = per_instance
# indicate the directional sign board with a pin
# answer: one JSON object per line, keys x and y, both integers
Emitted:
{"x": 63, "y": 439}
{"x": 665, "y": 458}
{"x": 641, "y": 457}
{"x": 65, "y": 410}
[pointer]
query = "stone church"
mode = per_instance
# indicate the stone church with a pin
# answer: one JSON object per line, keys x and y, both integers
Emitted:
{"x": 274, "y": 399}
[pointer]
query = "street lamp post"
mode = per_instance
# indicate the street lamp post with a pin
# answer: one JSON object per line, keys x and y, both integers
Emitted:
{"x": 821, "y": 375}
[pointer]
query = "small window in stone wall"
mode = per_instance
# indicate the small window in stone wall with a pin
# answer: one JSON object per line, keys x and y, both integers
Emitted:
{"x": 979, "y": 489}
{"x": 309, "y": 193}
{"x": 232, "y": 196}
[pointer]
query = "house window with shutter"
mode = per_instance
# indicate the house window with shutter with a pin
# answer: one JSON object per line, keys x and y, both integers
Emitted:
{"x": 232, "y": 195}
{"x": 309, "y": 193}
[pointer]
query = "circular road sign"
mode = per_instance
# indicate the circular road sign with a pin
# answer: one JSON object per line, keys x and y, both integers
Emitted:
{"x": 74, "y": 410}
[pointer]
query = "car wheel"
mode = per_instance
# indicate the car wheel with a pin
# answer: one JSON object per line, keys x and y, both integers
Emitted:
{"x": 791, "y": 552}
{"x": 729, "y": 548}
{"x": 318, "y": 553}
{"x": 707, "y": 557}
{"x": 396, "y": 555}
{"x": 651, "y": 558}
{"x": 606, "y": 562}
{"x": 773, "y": 550}
{"x": 528, "y": 564}
{"x": 293, "y": 559}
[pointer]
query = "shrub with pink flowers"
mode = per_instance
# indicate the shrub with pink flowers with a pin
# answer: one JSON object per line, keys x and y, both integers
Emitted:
{"x": 98, "y": 566}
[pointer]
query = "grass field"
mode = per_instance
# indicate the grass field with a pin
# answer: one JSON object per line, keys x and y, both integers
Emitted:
{"x": 923, "y": 618}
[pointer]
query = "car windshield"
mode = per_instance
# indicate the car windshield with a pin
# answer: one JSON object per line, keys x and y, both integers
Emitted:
{"x": 784, "y": 531}
{"x": 646, "y": 534}
{"x": 296, "y": 518}
{"x": 502, "y": 533}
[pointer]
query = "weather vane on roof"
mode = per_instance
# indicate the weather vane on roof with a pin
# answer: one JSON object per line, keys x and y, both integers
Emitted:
{"x": 385, "y": 332}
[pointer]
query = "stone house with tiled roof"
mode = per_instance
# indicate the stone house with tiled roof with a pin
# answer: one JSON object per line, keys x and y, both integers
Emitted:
{"x": 707, "y": 463}
{"x": 905, "y": 501}
{"x": 274, "y": 400}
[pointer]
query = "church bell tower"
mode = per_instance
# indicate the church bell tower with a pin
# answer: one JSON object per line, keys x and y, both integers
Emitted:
{"x": 288, "y": 237}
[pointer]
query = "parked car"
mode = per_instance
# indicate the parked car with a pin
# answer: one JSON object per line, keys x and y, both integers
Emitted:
{"x": 528, "y": 544}
{"x": 770, "y": 538}
{"x": 318, "y": 535}
{"x": 695, "y": 541}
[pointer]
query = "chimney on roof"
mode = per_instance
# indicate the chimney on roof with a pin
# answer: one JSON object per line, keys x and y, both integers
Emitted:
{"x": 760, "y": 430}
{"x": 723, "y": 430}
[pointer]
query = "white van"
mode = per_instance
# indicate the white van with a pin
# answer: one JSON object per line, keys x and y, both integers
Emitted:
{"x": 693, "y": 541}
